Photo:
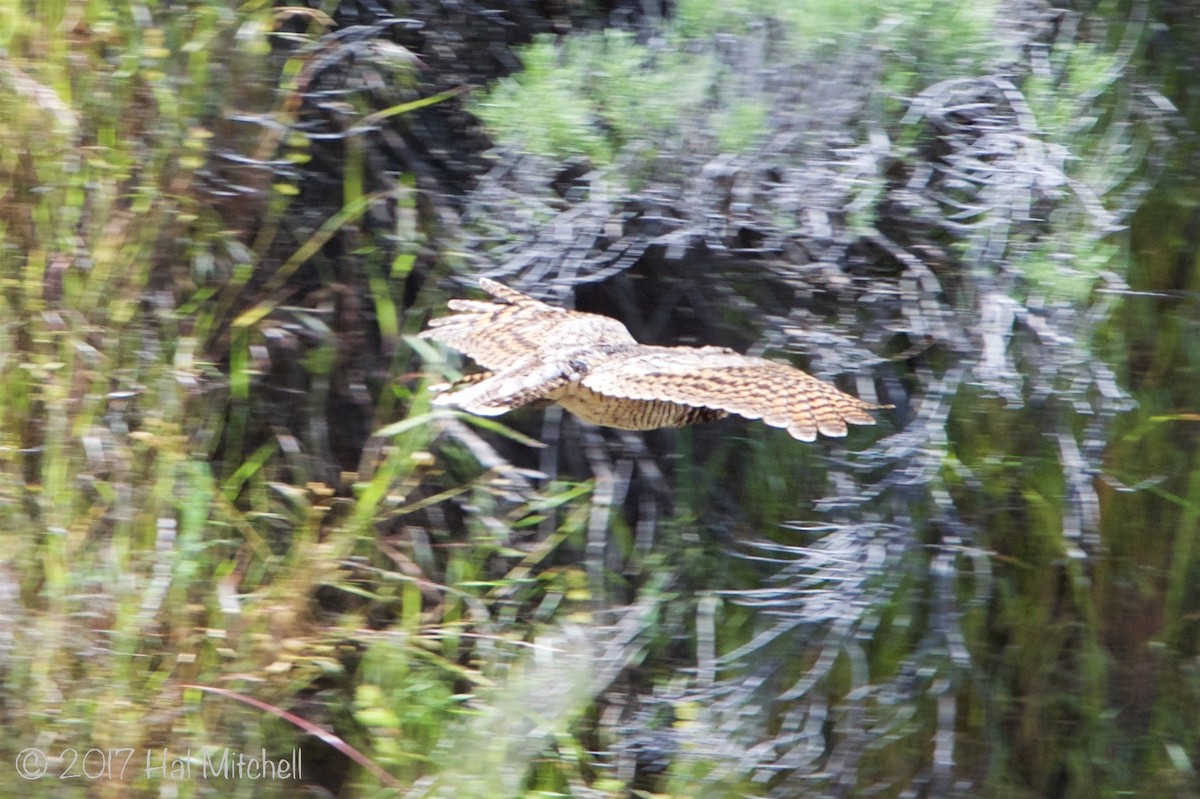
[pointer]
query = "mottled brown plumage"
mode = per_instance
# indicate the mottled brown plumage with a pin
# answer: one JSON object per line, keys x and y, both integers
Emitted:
{"x": 591, "y": 366}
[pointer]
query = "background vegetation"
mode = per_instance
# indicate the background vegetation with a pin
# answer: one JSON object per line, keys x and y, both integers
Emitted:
{"x": 229, "y": 519}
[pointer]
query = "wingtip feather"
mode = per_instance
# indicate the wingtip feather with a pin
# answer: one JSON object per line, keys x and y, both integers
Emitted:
{"x": 805, "y": 433}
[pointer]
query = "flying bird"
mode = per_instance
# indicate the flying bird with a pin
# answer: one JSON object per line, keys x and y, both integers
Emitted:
{"x": 593, "y": 367}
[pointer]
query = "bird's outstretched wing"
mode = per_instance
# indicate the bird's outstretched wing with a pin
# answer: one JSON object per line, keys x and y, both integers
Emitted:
{"x": 494, "y": 393}
{"x": 497, "y": 335}
{"x": 723, "y": 380}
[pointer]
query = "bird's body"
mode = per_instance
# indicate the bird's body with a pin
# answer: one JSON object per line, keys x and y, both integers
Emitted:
{"x": 594, "y": 368}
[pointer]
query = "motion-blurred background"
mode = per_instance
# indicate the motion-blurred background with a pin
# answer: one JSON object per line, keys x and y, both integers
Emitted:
{"x": 221, "y": 480}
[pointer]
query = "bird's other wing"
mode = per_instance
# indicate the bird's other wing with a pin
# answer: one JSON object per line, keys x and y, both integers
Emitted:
{"x": 714, "y": 377}
{"x": 528, "y": 381}
{"x": 499, "y": 334}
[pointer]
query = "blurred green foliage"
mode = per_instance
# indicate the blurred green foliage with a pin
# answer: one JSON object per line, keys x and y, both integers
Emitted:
{"x": 597, "y": 94}
{"x": 134, "y": 562}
